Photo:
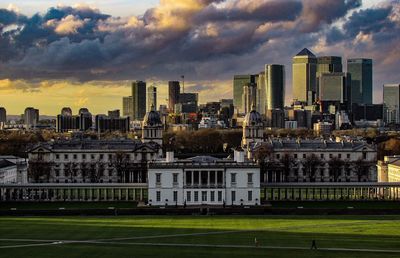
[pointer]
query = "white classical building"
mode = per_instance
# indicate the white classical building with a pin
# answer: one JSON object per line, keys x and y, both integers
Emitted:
{"x": 12, "y": 170}
{"x": 308, "y": 160}
{"x": 204, "y": 180}
{"x": 389, "y": 169}
{"x": 97, "y": 161}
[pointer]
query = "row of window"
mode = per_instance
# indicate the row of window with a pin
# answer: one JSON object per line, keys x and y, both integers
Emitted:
{"x": 175, "y": 179}
{"x": 205, "y": 197}
{"x": 100, "y": 156}
{"x": 321, "y": 155}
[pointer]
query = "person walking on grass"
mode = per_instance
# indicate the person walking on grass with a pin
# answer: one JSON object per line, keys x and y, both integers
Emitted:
{"x": 313, "y": 245}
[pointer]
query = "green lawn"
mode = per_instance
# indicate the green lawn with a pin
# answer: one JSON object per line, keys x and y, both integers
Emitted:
{"x": 199, "y": 236}
{"x": 65, "y": 205}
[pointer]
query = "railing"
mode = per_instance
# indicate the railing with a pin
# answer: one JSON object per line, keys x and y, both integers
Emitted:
{"x": 330, "y": 191}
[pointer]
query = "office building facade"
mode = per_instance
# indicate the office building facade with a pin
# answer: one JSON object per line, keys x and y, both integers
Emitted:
{"x": 239, "y": 81}
{"x": 391, "y": 102}
{"x": 304, "y": 77}
{"x": 360, "y": 70}
{"x": 151, "y": 98}
{"x": 138, "y": 100}
{"x": 174, "y": 89}
{"x": 275, "y": 86}
{"x": 127, "y": 106}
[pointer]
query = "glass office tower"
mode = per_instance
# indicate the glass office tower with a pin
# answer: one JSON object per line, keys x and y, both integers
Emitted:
{"x": 275, "y": 86}
{"x": 360, "y": 70}
{"x": 304, "y": 76}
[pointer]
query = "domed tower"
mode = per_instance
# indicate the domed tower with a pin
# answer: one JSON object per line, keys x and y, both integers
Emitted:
{"x": 253, "y": 128}
{"x": 152, "y": 127}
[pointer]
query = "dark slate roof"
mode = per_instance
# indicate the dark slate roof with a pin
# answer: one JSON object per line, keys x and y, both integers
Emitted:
{"x": 5, "y": 163}
{"x": 305, "y": 52}
{"x": 126, "y": 144}
{"x": 313, "y": 145}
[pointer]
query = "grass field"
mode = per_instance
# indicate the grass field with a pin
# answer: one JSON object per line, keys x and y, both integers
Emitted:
{"x": 200, "y": 236}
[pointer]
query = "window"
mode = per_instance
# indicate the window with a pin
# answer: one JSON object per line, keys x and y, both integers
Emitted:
{"x": 204, "y": 177}
{"x": 220, "y": 196}
{"x": 188, "y": 177}
{"x": 250, "y": 178}
{"x": 204, "y": 196}
{"x": 278, "y": 156}
{"x": 158, "y": 196}
{"x": 304, "y": 156}
{"x": 175, "y": 196}
{"x": 321, "y": 155}
{"x": 330, "y": 155}
{"x": 195, "y": 177}
{"x": 364, "y": 155}
{"x": 75, "y": 156}
{"x": 110, "y": 156}
{"x": 189, "y": 196}
{"x": 233, "y": 194}
{"x": 339, "y": 156}
{"x": 83, "y": 156}
{"x": 348, "y": 156}
{"x": 212, "y": 177}
{"x": 92, "y": 156}
{"x": 65, "y": 156}
{"x": 250, "y": 196}
{"x": 295, "y": 156}
{"x": 212, "y": 196}
{"x": 57, "y": 156}
{"x": 233, "y": 178}
{"x": 101, "y": 156}
{"x": 175, "y": 178}
{"x": 158, "y": 178}
{"x": 196, "y": 196}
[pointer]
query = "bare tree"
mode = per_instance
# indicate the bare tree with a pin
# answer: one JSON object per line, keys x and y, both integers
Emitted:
{"x": 311, "y": 163}
{"x": 120, "y": 162}
{"x": 39, "y": 169}
{"x": 335, "y": 168}
{"x": 361, "y": 168}
{"x": 287, "y": 163}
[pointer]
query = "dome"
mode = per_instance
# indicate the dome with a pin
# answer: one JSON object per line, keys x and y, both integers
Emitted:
{"x": 252, "y": 118}
{"x": 152, "y": 118}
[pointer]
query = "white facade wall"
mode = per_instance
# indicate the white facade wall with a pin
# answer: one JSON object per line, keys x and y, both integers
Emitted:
{"x": 162, "y": 193}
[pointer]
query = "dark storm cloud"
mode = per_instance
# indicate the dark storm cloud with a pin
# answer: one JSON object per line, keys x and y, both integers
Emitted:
{"x": 284, "y": 10}
{"x": 317, "y": 13}
{"x": 211, "y": 39}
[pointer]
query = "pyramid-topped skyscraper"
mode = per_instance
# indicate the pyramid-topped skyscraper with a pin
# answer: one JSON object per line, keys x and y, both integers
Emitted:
{"x": 304, "y": 77}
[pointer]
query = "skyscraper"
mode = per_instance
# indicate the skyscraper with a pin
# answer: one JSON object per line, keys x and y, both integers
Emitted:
{"x": 262, "y": 99}
{"x": 329, "y": 64}
{"x": 238, "y": 82}
{"x": 3, "y": 115}
{"x": 138, "y": 100}
{"x": 304, "y": 76}
{"x": 127, "y": 107}
{"x": 360, "y": 70}
{"x": 333, "y": 90}
{"x": 31, "y": 117}
{"x": 151, "y": 98}
{"x": 250, "y": 97}
{"x": 174, "y": 90}
{"x": 391, "y": 103}
{"x": 275, "y": 86}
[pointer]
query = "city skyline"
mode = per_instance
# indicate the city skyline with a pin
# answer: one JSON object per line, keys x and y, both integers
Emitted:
{"x": 65, "y": 73}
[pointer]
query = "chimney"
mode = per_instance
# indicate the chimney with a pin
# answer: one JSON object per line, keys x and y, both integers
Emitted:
{"x": 169, "y": 157}
{"x": 238, "y": 156}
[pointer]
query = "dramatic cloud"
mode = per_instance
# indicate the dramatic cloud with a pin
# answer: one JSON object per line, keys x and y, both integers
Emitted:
{"x": 204, "y": 39}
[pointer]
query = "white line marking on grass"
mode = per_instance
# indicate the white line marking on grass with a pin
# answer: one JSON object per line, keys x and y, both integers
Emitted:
{"x": 175, "y": 235}
{"x": 26, "y": 240}
{"x": 30, "y": 245}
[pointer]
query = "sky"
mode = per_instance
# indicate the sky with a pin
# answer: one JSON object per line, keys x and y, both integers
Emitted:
{"x": 86, "y": 53}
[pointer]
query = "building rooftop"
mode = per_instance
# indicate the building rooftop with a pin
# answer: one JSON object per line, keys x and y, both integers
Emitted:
{"x": 314, "y": 144}
{"x": 305, "y": 52}
{"x": 88, "y": 144}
